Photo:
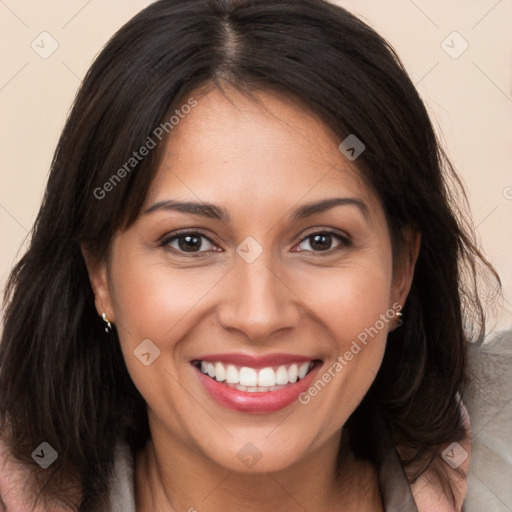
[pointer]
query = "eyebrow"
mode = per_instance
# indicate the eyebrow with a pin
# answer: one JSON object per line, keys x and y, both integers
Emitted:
{"x": 213, "y": 211}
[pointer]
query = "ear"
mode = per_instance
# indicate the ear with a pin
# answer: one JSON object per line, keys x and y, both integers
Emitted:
{"x": 98, "y": 276}
{"x": 403, "y": 271}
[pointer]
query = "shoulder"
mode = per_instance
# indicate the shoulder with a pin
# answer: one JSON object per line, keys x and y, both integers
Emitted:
{"x": 488, "y": 397}
{"x": 17, "y": 485}
{"x": 122, "y": 483}
{"x": 15, "y": 492}
{"x": 429, "y": 493}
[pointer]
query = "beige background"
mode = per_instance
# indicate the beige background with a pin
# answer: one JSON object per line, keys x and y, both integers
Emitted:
{"x": 469, "y": 97}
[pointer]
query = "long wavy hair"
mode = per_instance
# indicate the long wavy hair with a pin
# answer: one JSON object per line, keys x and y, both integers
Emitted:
{"x": 63, "y": 380}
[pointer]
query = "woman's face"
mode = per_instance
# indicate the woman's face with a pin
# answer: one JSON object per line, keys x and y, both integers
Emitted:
{"x": 255, "y": 283}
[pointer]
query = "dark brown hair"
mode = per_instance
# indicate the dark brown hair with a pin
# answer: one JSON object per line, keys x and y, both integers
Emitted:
{"x": 63, "y": 380}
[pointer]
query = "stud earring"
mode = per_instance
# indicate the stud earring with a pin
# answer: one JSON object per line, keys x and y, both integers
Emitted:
{"x": 107, "y": 321}
{"x": 399, "y": 316}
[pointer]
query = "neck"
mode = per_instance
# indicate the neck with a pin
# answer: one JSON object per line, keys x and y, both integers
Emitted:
{"x": 189, "y": 481}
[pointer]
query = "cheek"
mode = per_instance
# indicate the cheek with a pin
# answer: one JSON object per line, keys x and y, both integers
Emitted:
{"x": 153, "y": 300}
{"x": 350, "y": 303}
{"x": 347, "y": 300}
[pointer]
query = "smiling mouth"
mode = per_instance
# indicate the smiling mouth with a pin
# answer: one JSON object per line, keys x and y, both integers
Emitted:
{"x": 256, "y": 380}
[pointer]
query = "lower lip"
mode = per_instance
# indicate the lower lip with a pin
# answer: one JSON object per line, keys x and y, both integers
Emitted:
{"x": 256, "y": 402}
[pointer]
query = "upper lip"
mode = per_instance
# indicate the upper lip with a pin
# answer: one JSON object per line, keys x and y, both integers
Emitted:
{"x": 253, "y": 361}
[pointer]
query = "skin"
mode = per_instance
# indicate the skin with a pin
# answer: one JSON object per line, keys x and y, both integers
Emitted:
{"x": 292, "y": 299}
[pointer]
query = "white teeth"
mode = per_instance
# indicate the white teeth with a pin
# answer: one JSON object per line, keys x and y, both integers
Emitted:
{"x": 282, "y": 376}
{"x": 248, "y": 377}
{"x": 266, "y": 377}
{"x": 231, "y": 375}
{"x": 303, "y": 370}
{"x": 293, "y": 373}
{"x": 256, "y": 381}
{"x": 220, "y": 372}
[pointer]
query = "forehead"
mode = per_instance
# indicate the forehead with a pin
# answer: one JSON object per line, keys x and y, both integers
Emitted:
{"x": 270, "y": 150}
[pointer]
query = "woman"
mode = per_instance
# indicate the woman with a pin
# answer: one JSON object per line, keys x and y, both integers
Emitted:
{"x": 244, "y": 286}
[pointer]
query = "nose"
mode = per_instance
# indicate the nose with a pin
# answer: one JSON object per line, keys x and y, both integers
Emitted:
{"x": 258, "y": 301}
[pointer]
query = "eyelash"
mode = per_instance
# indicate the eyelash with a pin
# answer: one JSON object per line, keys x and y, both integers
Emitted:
{"x": 344, "y": 240}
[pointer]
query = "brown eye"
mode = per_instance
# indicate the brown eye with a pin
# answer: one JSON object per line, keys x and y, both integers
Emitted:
{"x": 189, "y": 243}
{"x": 323, "y": 241}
